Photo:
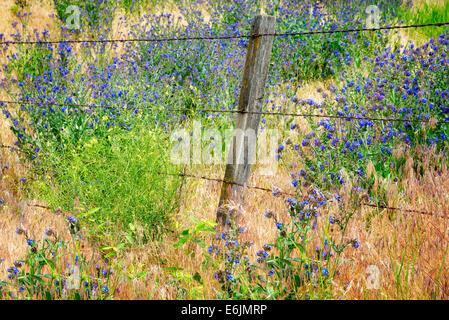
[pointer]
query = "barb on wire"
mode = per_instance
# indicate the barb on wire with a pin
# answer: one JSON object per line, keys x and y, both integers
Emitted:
{"x": 11, "y": 148}
{"x": 277, "y": 191}
{"x": 439, "y": 215}
{"x": 212, "y": 38}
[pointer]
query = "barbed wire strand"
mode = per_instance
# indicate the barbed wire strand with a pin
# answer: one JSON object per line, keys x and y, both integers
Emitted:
{"x": 11, "y": 148}
{"x": 277, "y": 191}
{"x": 56, "y": 104}
{"x": 347, "y": 117}
{"x": 212, "y": 38}
{"x": 284, "y": 114}
{"x": 439, "y": 215}
{"x": 58, "y": 211}
{"x": 227, "y": 182}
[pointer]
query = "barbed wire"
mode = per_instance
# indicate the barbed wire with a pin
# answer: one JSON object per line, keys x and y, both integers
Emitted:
{"x": 275, "y": 192}
{"x": 213, "y": 38}
{"x": 58, "y": 211}
{"x": 227, "y": 182}
{"x": 284, "y": 114}
{"x": 379, "y": 206}
{"x": 11, "y": 148}
{"x": 279, "y": 192}
{"x": 56, "y": 104}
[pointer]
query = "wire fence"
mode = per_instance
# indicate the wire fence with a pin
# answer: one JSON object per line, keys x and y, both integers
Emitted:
{"x": 214, "y": 38}
{"x": 278, "y": 192}
{"x": 231, "y": 37}
{"x": 266, "y": 113}
{"x": 275, "y": 192}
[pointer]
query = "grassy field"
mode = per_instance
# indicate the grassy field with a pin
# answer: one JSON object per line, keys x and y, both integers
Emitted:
{"x": 92, "y": 205}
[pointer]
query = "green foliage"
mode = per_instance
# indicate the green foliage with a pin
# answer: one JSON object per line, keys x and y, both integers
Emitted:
{"x": 311, "y": 57}
{"x": 343, "y": 150}
{"x": 30, "y": 63}
{"x": 61, "y": 7}
{"x": 301, "y": 263}
{"x": 123, "y": 176}
{"x": 194, "y": 233}
{"x": 21, "y": 3}
{"x": 92, "y": 11}
{"x": 18, "y": 6}
{"x": 44, "y": 275}
{"x": 191, "y": 284}
{"x": 426, "y": 12}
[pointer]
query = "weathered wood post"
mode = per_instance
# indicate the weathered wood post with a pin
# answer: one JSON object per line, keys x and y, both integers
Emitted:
{"x": 243, "y": 147}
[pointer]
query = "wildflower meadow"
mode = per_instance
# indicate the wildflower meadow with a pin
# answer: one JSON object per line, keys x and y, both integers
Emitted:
{"x": 118, "y": 131}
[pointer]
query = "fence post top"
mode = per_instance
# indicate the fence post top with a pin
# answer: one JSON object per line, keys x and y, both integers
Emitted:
{"x": 261, "y": 17}
{"x": 263, "y": 24}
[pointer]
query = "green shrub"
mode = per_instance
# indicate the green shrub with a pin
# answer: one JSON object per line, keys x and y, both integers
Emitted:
{"x": 94, "y": 12}
{"x": 116, "y": 180}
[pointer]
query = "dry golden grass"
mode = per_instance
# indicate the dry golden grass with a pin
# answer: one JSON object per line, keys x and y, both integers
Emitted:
{"x": 41, "y": 11}
{"x": 391, "y": 238}
{"x": 388, "y": 239}
{"x": 418, "y": 3}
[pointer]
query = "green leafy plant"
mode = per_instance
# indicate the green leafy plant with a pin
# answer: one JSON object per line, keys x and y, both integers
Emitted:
{"x": 196, "y": 233}
{"x": 140, "y": 193}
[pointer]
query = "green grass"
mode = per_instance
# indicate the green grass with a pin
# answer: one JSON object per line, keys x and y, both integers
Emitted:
{"x": 116, "y": 181}
{"x": 93, "y": 12}
{"x": 138, "y": 6}
{"x": 426, "y": 13}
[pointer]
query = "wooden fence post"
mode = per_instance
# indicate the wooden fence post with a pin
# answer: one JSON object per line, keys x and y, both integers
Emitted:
{"x": 243, "y": 147}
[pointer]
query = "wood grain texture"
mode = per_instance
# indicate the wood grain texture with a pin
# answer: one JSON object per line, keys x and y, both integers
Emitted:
{"x": 242, "y": 153}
